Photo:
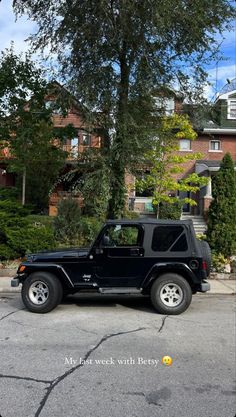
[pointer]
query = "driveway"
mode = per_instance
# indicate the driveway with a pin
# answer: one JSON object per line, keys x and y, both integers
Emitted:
{"x": 102, "y": 356}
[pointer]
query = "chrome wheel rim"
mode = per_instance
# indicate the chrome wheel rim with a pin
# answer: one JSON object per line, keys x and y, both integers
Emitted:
{"x": 171, "y": 295}
{"x": 38, "y": 292}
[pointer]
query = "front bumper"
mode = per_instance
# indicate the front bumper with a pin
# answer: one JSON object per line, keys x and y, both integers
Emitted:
{"x": 204, "y": 286}
{"x": 15, "y": 282}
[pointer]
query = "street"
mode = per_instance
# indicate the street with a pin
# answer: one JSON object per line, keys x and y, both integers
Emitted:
{"x": 102, "y": 356}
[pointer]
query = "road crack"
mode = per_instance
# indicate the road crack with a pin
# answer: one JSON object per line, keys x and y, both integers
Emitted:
{"x": 56, "y": 381}
{"x": 25, "y": 378}
{"x": 162, "y": 324}
{"x": 53, "y": 383}
{"x": 9, "y": 314}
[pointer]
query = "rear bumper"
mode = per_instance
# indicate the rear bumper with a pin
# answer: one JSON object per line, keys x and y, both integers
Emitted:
{"x": 204, "y": 286}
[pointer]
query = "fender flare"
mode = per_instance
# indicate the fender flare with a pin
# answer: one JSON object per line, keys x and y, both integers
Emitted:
{"x": 55, "y": 269}
{"x": 165, "y": 267}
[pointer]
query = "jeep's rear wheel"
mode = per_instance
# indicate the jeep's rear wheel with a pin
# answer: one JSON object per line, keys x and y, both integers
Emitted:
{"x": 171, "y": 294}
{"x": 41, "y": 292}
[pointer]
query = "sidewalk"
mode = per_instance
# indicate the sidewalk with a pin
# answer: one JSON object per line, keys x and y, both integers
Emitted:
{"x": 217, "y": 286}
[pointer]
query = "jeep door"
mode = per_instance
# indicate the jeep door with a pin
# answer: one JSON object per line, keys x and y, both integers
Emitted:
{"x": 119, "y": 256}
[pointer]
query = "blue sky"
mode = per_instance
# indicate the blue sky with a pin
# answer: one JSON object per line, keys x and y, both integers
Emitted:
{"x": 10, "y": 30}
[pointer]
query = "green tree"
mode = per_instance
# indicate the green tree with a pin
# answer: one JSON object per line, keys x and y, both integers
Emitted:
{"x": 166, "y": 165}
{"x": 91, "y": 178}
{"x": 221, "y": 232}
{"x": 67, "y": 223}
{"x": 114, "y": 53}
{"x": 26, "y": 128}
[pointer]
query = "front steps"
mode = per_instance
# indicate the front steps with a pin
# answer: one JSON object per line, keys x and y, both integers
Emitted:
{"x": 199, "y": 223}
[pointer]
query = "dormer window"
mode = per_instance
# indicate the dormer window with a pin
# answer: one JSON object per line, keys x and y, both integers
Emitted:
{"x": 232, "y": 109}
{"x": 166, "y": 105}
{"x": 51, "y": 105}
{"x": 215, "y": 146}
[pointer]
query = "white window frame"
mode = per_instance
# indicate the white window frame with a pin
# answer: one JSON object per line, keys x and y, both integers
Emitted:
{"x": 230, "y": 115}
{"x": 215, "y": 150}
{"x": 87, "y": 135}
{"x": 185, "y": 150}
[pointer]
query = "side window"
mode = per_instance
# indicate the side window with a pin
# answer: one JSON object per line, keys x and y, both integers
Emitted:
{"x": 180, "y": 245}
{"x": 169, "y": 238}
{"x": 122, "y": 235}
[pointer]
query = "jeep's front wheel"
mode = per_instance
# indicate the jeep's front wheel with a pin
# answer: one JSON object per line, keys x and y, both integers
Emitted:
{"x": 41, "y": 292}
{"x": 171, "y": 294}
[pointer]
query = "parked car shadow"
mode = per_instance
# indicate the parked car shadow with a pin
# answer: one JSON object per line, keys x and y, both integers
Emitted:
{"x": 94, "y": 301}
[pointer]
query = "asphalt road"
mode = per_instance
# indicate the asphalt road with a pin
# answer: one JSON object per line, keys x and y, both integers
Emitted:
{"x": 102, "y": 357}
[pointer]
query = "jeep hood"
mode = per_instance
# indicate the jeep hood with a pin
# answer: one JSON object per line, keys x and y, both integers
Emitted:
{"x": 59, "y": 254}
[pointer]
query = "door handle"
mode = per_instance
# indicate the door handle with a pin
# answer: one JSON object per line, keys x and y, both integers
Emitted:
{"x": 134, "y": 252}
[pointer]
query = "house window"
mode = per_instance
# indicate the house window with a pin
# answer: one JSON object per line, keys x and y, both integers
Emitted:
{"x": 232, "y": 109}
{"x": 185, "y": 145}
{"x": 146, "y": 192}
{"x": 51, "y": 105}
{"x": 169, "y": 106}
{"x": 166, "y": 105}
{"x": 74, "y": 147}
{"x": 85, "y": 139}
{"x": 215, "y": 145}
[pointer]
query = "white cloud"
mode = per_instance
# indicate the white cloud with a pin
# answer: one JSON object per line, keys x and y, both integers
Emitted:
{"x": 12, "y": 30}
{"x": 218, "y": 78}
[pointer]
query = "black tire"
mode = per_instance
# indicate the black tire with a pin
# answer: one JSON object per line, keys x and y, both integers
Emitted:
{"x": 51, "y": 286}
{"x": 206, "y": 254}
{"x": 180, "y": 288}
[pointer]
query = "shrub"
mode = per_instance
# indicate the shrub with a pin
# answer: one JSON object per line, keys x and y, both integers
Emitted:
{"x": 6, "y": 252}
{"x": 19, "y": 233}
{"x": 40, "y": 220}
{"x": 13, "y": 208}
{"x": 201, "y": 236}
{"x": 170, "y": 211}
{"x": 131, "y": 215}
{"x": 67, "y": 225}
{"x": 218, "y": 262}
{"x": 8, "y": 193}
{"x": 30, "y": 239}
{"x": 90, "y": 227}
{"x": 221, "y": 233}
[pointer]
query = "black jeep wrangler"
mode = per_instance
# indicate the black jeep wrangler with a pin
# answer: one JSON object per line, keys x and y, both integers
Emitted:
{"x": 159, "y": 258}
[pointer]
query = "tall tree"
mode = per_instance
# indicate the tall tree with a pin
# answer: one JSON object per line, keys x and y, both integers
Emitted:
{"x": 166, "y": 165}
{"x": 221, "y": 232}
{"x": 90, "y": 178}
{"x": 26, "y": 129}
{"x": 113, "y": 51}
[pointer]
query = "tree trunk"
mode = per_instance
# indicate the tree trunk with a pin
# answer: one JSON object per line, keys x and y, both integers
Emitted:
{"x": 118, "y": 154}
{"x": 23, "y": 186}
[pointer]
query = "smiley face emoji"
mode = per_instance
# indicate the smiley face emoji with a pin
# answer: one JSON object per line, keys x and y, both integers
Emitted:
{"x": 167, "y": 360}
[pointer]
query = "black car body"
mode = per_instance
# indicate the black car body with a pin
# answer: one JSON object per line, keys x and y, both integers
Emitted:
{"x": 127, "y": 257}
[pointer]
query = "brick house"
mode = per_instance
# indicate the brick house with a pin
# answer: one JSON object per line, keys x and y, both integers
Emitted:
{"x": 84, "y": 139}
{"x": 213, "y": 141}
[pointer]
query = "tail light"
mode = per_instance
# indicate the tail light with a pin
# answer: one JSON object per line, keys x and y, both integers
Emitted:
{"x": 204, "y": 265}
